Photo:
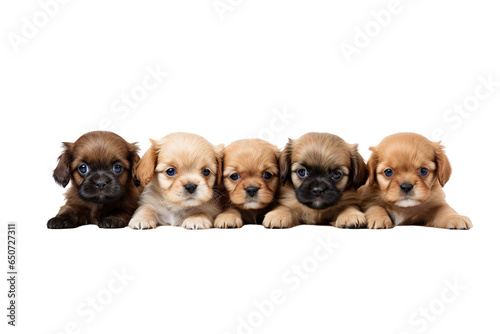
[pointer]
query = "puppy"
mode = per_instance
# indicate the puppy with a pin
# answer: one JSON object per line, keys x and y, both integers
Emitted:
{"x": 103, "y": 191}
{"x": 320, "y": 173}
{"x": 251, "y": 179}
{"x": 406, "y": 175}
{"x": 181, "y": 172}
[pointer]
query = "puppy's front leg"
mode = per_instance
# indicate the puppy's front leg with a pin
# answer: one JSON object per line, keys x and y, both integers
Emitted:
{"x": 143, "y": 218}
{"x": 230, "y": 218}
{"x": 281, "y": 217}
{"x": 448, "y": 218}
{"x": 351, "y": 217}
{"x": 199, "y": 221}
{"x": 377, "y": 218}
{"x": 67, "y": 218}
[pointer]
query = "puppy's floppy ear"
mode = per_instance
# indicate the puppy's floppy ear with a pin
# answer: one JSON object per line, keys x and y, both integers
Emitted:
{"x": 285, "y": 160}
{"x": 358, "y": 168}
{"x": 145, "y": 168}
{"x": 219, "y": 155}
{"x": 443, "y": 164}
{"x": 62, "y": 173}
{"x": 277, "y": 152}
{"x": 372, "y": 166}
{"x": 134, "y": 159}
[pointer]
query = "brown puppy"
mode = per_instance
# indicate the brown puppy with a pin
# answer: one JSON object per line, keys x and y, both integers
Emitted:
{"x": 251, "y": 179}
{"x": 406, "y": 175}
{"x": 181, "y": 172}
{"x": 320, "y": 173}
{"x": 103, "y": 192}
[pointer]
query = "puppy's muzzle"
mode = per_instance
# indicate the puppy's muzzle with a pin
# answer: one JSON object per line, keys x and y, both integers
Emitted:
{"x": 406, "y": 187}
{"x": 251, "y": 191}
{"x": 190, "y": 187}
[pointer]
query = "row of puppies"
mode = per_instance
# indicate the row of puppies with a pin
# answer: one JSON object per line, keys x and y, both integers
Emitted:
{"x": 183, "y": 180}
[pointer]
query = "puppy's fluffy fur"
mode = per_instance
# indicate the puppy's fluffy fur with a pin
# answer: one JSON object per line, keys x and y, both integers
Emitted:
{"x": 251, "y": 179}
{"x": 406, "y": 175}
{"x": 181, "y": 172}
{"x": 103, "y": 192}
{"x": 320, "y": 173}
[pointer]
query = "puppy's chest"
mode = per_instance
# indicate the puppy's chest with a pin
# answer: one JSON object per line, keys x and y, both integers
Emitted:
{"x": 253, "y": 216}
{"x": 406, "y": 217}
{"x": 97, "y": 212}
{"x": 318, "y": 217}
{"x": 168, "y": 217}
{"x": 397, "y": 218}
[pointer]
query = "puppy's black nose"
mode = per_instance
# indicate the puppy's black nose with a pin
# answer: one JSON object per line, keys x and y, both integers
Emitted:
{"x": 251, "y": 191}
{"x": 190, "y": 187}
{"x": 100, "y": 184}
{"x": 317, "y": 191}
{"x": 406, "y": 187}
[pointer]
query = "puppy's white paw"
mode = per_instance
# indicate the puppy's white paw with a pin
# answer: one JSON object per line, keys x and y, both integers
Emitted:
{"x": 228, "y": 220}
{"x": 140, "y": 224}
{"x": 350, "y": 219}
{"x": 278, "y": 219}
{"x": 197, "y": 223}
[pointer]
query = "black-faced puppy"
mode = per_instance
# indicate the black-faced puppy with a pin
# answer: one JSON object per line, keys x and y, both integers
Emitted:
{"x": 321, "y": 173}
{"x": 407, "y": 173}
{"x": 251, "y": 179}
{"x": 181, "y": 172}
{"x": 103, "y": 192}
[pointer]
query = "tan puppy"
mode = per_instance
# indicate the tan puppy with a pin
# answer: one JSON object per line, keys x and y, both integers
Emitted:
{"x": 321, "y": 173}
{"x": 406, "y": 175}
{"x": 181, "y": 172}
{"x": 251, "y": 178}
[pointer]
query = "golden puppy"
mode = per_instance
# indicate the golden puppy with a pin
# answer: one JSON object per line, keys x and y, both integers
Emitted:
{"x": 251, "y": 178}
{"x": 320, "y": 173}
{"x": 406, "y": 175}
{"x": 181, "y": 172}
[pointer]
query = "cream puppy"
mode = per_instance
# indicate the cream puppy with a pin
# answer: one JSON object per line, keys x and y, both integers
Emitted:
{"x": 181, "y": 172}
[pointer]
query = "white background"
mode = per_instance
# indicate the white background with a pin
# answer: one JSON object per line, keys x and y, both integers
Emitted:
{"x": 228, "y": 75}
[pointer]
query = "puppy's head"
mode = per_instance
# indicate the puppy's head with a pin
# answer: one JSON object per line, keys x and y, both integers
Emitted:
{"x": 406, "y": 166}
{"x": 251, "y": 173}
{"x": 184, "y": 166}
{"x": 99, "y": 165}
{"x": 321, "y": 166}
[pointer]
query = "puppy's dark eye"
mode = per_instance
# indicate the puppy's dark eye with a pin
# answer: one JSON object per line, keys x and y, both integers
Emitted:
{"x": 337, "y": 175}
{"x": 205, "y": 172}
{"x": 302, "y": 173}
{"x": 234, "y": 176}
{"x": 117, "y": 169}
{"x": 83, "y": 169}
{"x": 424, "y": 171}
{"x": 388, "y": 172}
{"x": 267, "y": 175}
{"x": 171, "y": 172}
